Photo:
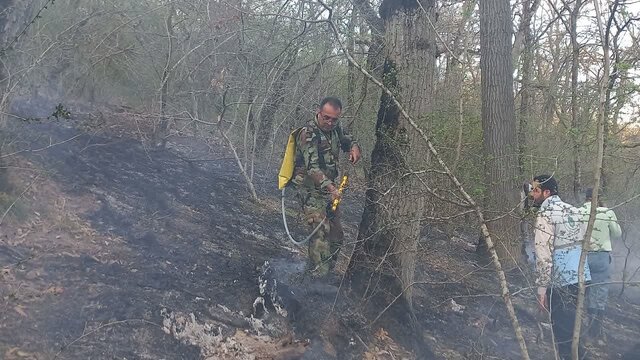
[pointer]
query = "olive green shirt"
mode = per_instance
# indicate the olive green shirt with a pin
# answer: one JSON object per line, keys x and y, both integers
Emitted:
{"x": 318, "y": 154}
{"x": 605, "y": 227}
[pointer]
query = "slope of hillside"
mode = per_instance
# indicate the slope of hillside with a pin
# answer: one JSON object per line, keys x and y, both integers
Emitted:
{"x": 116, "y": 250}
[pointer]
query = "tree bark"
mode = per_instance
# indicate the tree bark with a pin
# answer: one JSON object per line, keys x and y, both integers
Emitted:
{"x": 499, "y": 126}
{"x": 383, "y": 264}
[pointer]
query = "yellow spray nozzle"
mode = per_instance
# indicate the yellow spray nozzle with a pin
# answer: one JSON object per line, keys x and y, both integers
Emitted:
{"x": 343, "y": 185}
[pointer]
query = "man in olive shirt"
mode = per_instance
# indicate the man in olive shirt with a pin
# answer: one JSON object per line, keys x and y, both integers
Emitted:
{"x": 316, "y": 174}
{"x": 605, "y": 227}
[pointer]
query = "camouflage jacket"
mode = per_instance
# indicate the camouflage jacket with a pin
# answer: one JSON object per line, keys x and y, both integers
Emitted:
{"x": 558, "y": 244}
{"x": 317, "y": 155}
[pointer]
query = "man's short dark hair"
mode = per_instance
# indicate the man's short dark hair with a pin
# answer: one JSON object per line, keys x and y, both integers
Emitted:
{"x": 588, "y": 194}
{"x": 331, "y": 100}
{"x": 547, "y": 182}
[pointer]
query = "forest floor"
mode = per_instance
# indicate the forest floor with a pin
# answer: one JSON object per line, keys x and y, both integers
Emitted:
{"x": 110, "y": 249}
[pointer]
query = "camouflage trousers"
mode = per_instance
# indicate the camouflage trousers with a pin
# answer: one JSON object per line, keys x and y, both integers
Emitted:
{"x": 325, "y": 244}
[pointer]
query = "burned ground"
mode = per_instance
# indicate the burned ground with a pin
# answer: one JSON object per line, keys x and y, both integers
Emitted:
{"x": 123, "y": 251}
{"x": 170, "y": 236}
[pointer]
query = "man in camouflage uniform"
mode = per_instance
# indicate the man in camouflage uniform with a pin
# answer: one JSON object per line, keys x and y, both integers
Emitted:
{"x": 316, "y": 172}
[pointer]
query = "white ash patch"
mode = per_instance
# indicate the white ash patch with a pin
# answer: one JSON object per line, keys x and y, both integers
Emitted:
{"x": 249, "y": 344}
{"x": 206, "y": 336}
{"x": 268, "y": 287}
{"x": 256, "y": 235}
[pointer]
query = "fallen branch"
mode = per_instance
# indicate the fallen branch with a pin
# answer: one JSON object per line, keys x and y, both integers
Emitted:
{"x": 84, "y": 335}
{"x": 630, "y": 145}
{"x": 18, "y": 198}
{"x": 51, "y": 144}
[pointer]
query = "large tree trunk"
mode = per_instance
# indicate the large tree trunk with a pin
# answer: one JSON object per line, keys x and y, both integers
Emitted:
{"x": 383, "y": 263}
{"x": 499, "y": 125}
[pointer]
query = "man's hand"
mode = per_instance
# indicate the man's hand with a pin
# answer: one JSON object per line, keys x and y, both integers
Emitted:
{"x": 333, "y": 191}
{"x": 354, "y": 154}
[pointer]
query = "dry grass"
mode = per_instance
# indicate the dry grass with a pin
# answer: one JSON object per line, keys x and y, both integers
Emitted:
{"x": 383, "y": 347}
{"x": 67, "y": 221}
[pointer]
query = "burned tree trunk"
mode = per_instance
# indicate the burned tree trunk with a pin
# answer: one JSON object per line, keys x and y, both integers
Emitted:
{"x": 499, "y": 126}
{"x": 382, "y": 267}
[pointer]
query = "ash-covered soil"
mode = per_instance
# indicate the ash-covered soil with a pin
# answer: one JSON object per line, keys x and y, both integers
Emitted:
{"x": 120, "y": 251}
{"x": 164, "y": 238}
